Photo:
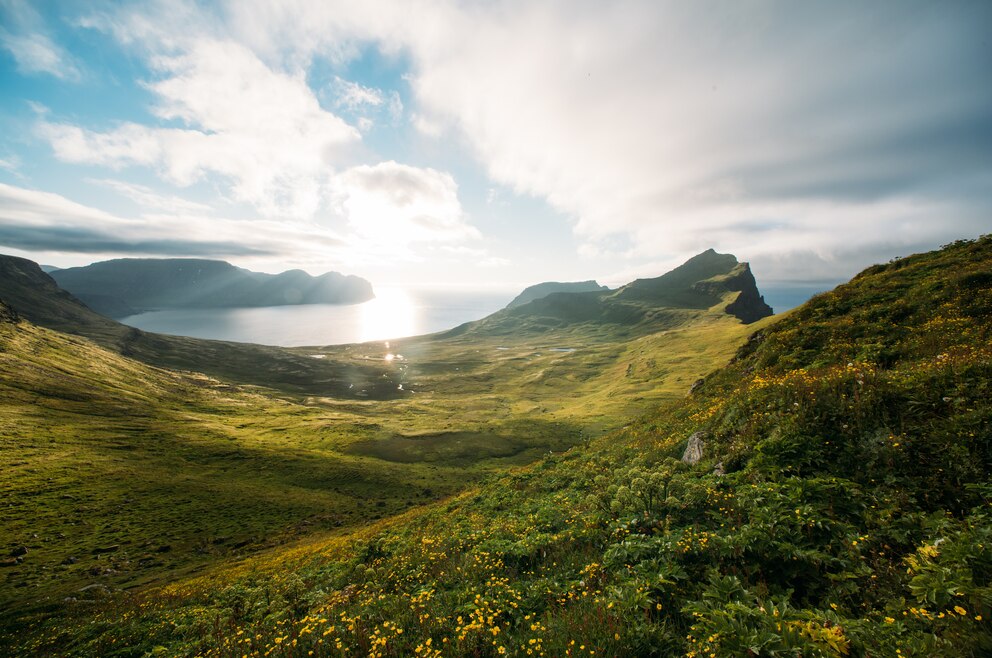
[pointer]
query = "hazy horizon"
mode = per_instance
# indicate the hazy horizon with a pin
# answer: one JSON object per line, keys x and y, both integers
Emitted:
{"x": 436, "y": 142}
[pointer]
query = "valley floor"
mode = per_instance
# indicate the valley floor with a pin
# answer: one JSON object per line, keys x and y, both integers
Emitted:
{"x": 128, "y": 476}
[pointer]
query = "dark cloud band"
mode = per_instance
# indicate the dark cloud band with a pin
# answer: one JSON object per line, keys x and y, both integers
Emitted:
{"x": 80, "y": 240}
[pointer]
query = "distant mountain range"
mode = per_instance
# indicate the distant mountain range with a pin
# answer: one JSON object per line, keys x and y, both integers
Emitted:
{"x": 707, "y": 283}
{"x": 35, "y": 296}
{"x": 125, "y": 286}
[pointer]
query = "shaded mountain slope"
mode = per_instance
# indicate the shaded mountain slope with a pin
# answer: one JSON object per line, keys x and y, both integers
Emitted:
{"x": 840, "y": 507}
{"x": 537, "y": 291}
{"x": 37, "y": 297}
{"x": 129, "y": 285}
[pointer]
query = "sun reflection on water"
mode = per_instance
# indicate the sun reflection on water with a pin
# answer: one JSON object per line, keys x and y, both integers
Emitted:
{"x": 392, "y": 313}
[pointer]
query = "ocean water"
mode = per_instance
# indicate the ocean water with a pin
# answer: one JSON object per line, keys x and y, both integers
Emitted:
{"x": 785, "y": 297}
{"x": 394, "y": 313}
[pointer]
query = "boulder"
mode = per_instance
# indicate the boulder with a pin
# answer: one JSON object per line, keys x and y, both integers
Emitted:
{"x": 694, "y": 450}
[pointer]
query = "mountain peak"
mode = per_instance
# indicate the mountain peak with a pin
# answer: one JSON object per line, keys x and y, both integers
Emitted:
{"x": 700, "y": 282}
{"x": 541, "y": 290}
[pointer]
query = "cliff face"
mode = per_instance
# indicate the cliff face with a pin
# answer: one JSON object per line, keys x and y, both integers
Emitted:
{"x": 645, "y": 305}
{"x": 701, "y": 282}
{"x": 750, "y": 305}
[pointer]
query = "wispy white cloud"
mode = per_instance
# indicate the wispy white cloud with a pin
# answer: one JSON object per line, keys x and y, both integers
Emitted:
{"x": 24, "y": 35}
{"x": 367, "y": 104}
{"x": 261, "y": 131}
{"x": 353, "y": 96}
{"x": 36, "y": 53}
{"x": 10, "y": 163}
{"x": 149, "y": 199}
{"x": 426, "y": 126}
{"x": 680, "y": 127}
{"x": 129, "y": 144}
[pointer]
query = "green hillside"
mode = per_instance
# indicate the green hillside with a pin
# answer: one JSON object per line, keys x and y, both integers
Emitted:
{"x": 125, "y": 476}
{"x": 117, "y": 473}
{"x": 706, "y": 281}
{"x": 841, "y": 507}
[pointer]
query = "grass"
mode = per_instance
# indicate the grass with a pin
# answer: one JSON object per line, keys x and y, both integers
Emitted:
{"x": 841, "y": 508}
{"x": 124, "y": 473}
{"x": 128, "y": 476}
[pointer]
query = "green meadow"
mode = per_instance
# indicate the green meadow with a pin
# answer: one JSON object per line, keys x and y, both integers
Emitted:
{"x": 489, "y": 491}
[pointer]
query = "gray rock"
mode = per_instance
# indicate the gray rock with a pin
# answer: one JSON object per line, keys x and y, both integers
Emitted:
{"x": 718, "y": 469}
{"x": 99, "y": 587}
{"x": 694, "y": 450}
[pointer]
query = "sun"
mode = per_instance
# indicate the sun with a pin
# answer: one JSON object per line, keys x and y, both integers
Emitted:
{"x": 392, "y": 313}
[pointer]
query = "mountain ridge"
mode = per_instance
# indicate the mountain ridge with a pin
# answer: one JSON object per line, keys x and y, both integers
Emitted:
{"x": 539, "y": 290}
{"x": 705, "y": 281}
{"x": 125, "y": 286}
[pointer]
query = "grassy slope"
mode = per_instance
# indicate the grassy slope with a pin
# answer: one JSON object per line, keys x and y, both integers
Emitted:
{"x": 854, "y": 518}
{"x": 508, "y": 385}
{"x": 176, "y": 471}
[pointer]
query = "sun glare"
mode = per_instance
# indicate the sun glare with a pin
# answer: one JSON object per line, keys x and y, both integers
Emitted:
{"x": 392, "y": 313}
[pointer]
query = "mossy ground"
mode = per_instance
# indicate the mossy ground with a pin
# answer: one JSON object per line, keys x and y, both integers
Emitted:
{"x": 119, "y": 476}
{"x": 854, "y": 518}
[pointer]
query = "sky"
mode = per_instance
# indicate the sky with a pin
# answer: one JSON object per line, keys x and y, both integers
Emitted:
{"x": 495, "y": 144}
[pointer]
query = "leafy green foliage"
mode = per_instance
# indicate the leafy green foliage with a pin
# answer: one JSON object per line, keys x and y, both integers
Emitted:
{"x": 850, "y": 517}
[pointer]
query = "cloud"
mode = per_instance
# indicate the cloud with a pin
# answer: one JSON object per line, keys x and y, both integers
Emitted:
{"x": 396, "y": 204}
{"x": 94, "y": 241}
{"x": 363, "y": 103}
{"x": 42, "y": 221}
{"x": 353, "y": 96}
{"x": 261, "y": 131}
{"x": 783, "y": 132}
{"x": 36, "y": 53}
{"x": 427, "y": 126}
{"x": 676, "y": 125}
{"x": 24, "y": 36}
{"x": 10, "y": 163}
{"x": 149, "y": 199}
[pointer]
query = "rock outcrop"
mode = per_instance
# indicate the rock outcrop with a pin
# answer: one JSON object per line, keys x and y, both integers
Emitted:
{"x": 694, "y": 450}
